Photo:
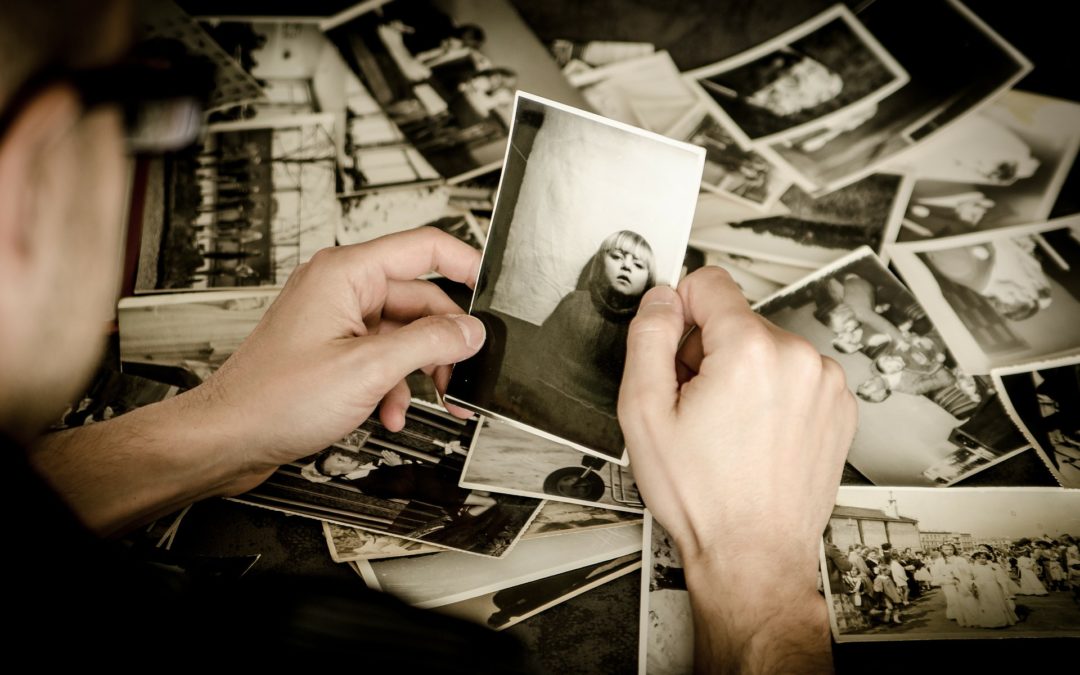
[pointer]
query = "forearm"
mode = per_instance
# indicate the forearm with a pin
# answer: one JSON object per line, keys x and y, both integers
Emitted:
{"x": 748, "y": 620}
{"x": 145, "y": 464}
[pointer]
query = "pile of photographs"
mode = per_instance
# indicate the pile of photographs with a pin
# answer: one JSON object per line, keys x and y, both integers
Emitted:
{"x": 888, "y": 198}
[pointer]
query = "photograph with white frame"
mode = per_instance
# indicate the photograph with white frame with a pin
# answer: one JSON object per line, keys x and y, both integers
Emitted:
{"x": 589, "y": 215}
{"x": 1043, "y": 399}
{"x": 666, "y": 622}
{"x": 1002, "y": 167}
{"x": 1000, "y": 297}
{"x": 504, "y": 458}
{"x": 956, "y": 65}
{"x": 445, "y": 578}
{"x": 966, "y": 563}
{"x": 802, "y": 79}
{"x": 923, "y": 421}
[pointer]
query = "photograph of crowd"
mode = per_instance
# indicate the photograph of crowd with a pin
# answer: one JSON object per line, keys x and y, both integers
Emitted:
{"x": 1000, "y": 297}
{"x": 917, "y": 406}
{"x": 401, "y": 483}
{"x": 666, "y": 627}
{"x": 590, "y": 214}
{"x": 957, "y": 64}
{"x": 1044, "y": 401}
{"x": 911, "y": 564}
{"x": 815, "y": 72}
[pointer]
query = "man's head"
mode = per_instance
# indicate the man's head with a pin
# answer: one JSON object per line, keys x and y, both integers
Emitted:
{"x": 61, "y": 192}
{"x": 338, "y": 462}
{"x": 874, "y": 389}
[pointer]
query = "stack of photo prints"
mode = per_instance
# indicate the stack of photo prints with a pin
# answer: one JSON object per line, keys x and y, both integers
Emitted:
{"x": 890, "y": 199}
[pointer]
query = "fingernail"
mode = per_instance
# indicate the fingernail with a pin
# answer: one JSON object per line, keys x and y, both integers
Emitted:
{"x": 659, "y": 295}
{"x": 471, "y": 328}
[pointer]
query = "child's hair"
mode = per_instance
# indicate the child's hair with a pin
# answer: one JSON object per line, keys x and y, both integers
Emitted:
{"x": 634, "y": 244}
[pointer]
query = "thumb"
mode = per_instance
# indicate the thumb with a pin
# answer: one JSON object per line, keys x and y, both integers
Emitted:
{"x": 429, "y": 341}
{"x": 650, "y": 384}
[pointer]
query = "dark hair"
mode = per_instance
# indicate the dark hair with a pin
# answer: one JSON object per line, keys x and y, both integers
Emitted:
{"x": 470, "y": 34}
{"x": 320, "y": 462}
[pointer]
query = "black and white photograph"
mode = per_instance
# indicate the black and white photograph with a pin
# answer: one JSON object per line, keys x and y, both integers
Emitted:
{"x": 1000, "y": 297}
{"x": 1043, "y": 400}
{"x": 918, "y": 564}
{"x": 590, "y": 214}
{"x": 110, "y": 394}
{"x": 812, "y": 232}
{"x": 803, "y": 78}
{"x": 402, "y": 483}
{"x": 195, "y": 332}
{"x": 506, "y": 459}
{"x": 666, "y": 627}
{"x": 1004, "y": 166}
{"x": 445, "y": 578}
{"x": 956, "y": 64}
{"x": 243, "y": 208}
{"x": 917, "y": 406}
{"x": 446, "y": 70}
{"x": 502, "y": 609}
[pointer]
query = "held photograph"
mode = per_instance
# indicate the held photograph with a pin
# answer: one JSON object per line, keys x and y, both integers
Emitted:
{"x": 590, "y": 214}
{"x": 919, "y": 564}
{"x": 956, "y": 65}
{"x": 1000, "y": 297}
{"x": 1043, "y": 400}
{"x": 803, "y": 78}
{"x": 917, "y": 406}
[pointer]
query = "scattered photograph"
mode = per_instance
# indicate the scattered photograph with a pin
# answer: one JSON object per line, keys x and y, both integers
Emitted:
{"x": 347, "y": 544}
{"x": 917, "y": 406}
{"x": 590, "y": 214}
{"x": 1043, "y": 400}
{"x": 445, "y": 72}
{"x": 243, "y": 208}
{"x": 110, "y": 394}
{"x": 956, "y": 65}
{"x": 1000, "y": 297}
{"x": 195, "y": 332}
{"x": 401, "y": 483}
{"x": 449, "y": 577}
{"x": 1004, "y": 166}
{"x": 504, "y": 458}
{"x": 918, "y": 564}
{"x": 510, "y": 606}
{"x": 801, "y": 79}
{"x": 666, "y": 635}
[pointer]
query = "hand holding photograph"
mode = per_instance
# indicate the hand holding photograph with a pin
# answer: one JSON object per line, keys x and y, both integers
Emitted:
{"x": 590, "y": 214}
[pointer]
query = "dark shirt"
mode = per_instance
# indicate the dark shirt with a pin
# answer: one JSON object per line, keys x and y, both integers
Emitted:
{"x": 73, "y": 598}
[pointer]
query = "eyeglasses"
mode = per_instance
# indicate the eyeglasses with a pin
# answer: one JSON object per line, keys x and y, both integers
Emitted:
{"x": 160, "y": 88}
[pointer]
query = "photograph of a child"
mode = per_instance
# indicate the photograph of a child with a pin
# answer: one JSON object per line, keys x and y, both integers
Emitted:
{"x": 590, "y": 214}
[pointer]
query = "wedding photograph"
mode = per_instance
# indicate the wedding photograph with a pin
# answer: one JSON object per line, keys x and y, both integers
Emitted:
{"x": 590, "y": 214}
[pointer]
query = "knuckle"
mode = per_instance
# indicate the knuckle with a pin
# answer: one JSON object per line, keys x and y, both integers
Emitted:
{"x": 321, "y": 258}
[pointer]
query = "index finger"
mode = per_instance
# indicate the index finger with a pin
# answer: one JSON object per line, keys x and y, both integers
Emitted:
{"x": 407, "y": 255}
{"x": 712, "y": 302}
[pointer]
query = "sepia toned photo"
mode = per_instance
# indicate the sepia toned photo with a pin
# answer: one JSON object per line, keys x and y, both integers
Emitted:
{"x": 506, "y": 459}
{"x": 111, "y": 394}
{"x": 666, "y": 627}
{"x": 916, "y": 564}
{"x": 590, "y": 214}
{"x": 1001, "y": 297}
{"x": 923, "y": 419}
{"x": 401, "y": 483}
{"x": 956, "y": 65}
{"x": 1043, "y": 400}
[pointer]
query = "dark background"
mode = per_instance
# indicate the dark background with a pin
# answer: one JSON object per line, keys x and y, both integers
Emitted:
{"x": 597, "y": 632}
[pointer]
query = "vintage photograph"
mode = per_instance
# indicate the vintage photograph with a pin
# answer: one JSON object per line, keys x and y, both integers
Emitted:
{"x": 243, "y": 208}
{"x": 956, "y": 64}
{"x": 110, "y": 394}
{"x": 510, "y": 606}
{"x": 812, "y": 232}
{"x": 445, "y": 578}
{"x": 1004, "y": 166}
{"x": 590, "y": 214}
{"x": 1000, "y": 297}
{"x": 917, "y": 406}
{"x": 445, "y": 71}
{"x": 803, "y": 78}
{"x": 666, "y": 634}
{"x": 401, "y": 483}
{"x": 917, "y": 564}
{"x": 504, "y": 458}
{"x": 194, "y": 332}
{"x": 1043, "y": 399}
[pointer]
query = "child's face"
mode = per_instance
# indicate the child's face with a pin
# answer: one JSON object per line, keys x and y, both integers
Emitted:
{"x": 890, "y": 364}
{"x": 626, "y": 272}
